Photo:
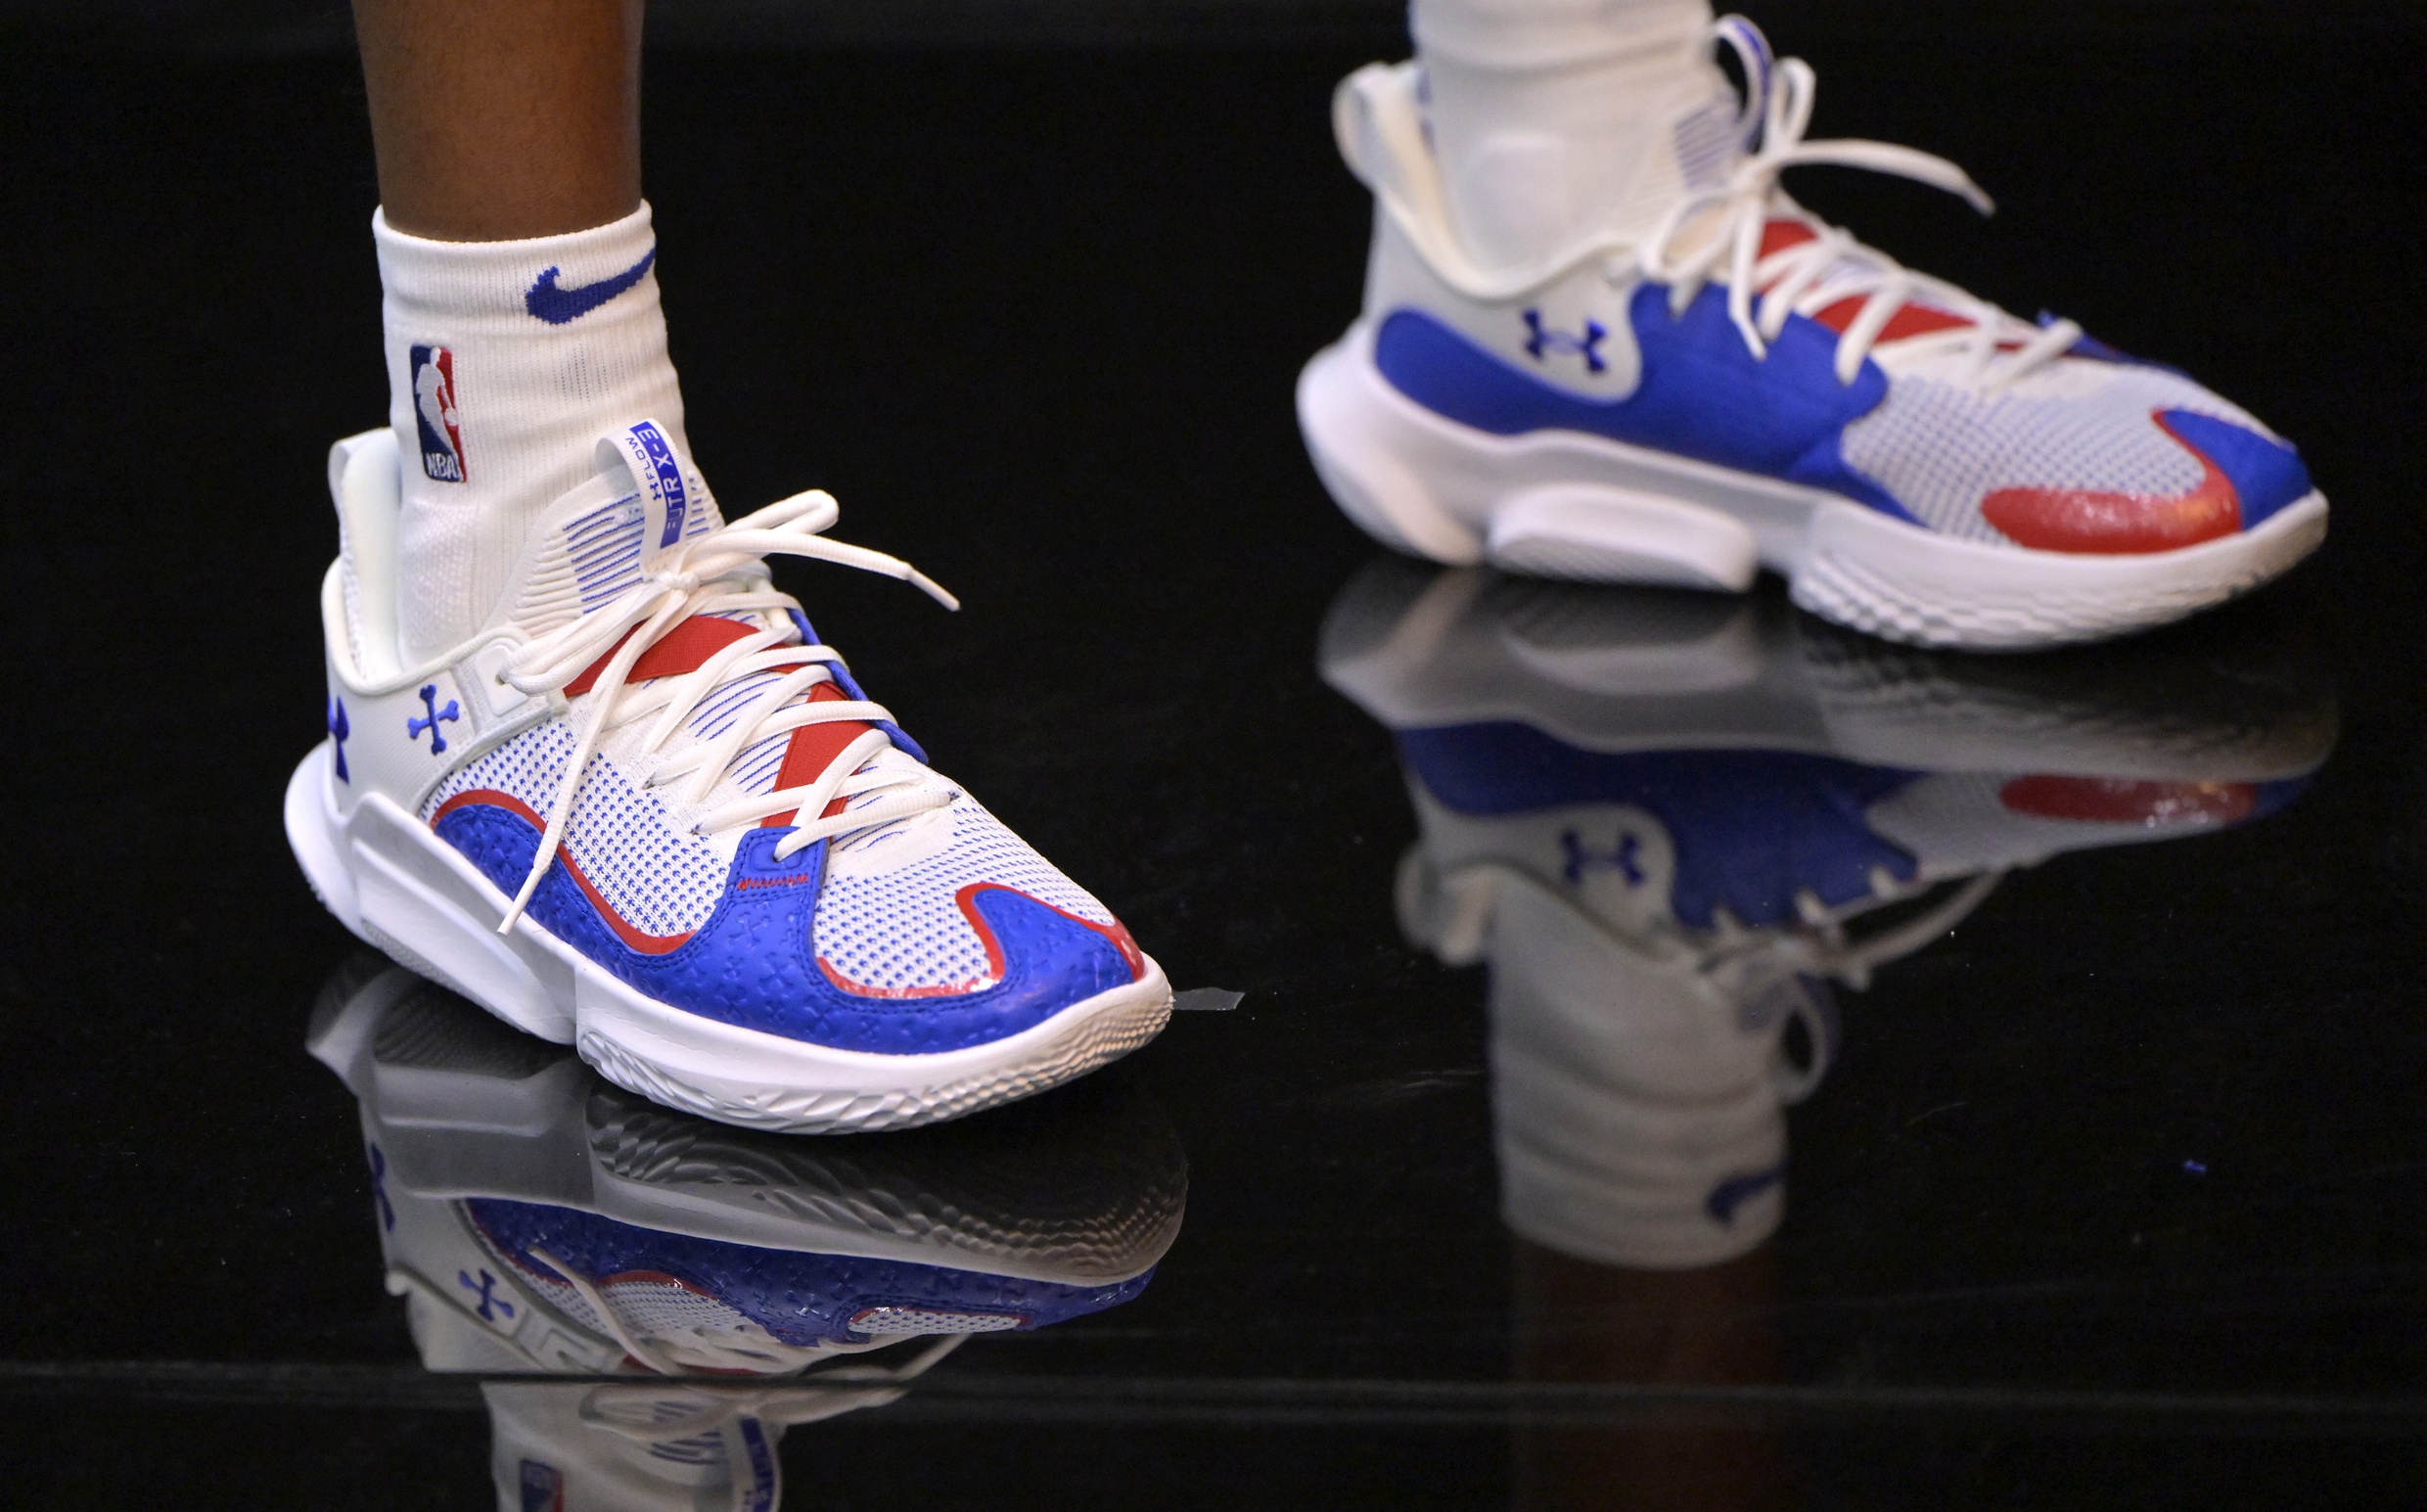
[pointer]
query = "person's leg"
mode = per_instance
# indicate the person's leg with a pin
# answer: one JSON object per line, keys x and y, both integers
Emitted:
{"x": 532, "y": 131}
{"x": 1553, "y": 119}
{"x": 517, "y": 261}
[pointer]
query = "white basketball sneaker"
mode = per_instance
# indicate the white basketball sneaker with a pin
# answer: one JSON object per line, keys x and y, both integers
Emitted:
{"x": 645, "y": 813}
{"x": 1739, "y": 386}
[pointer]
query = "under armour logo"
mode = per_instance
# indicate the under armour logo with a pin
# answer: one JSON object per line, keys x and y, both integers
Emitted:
{"x": 379, "y": 1191}
{"x": 430, "y": 699}
{"x": 491, "y": 1306}
{"x": 1539, "y": 340}
{"x": 339, "y": 729}
{"x": 1623, "y": 858}
{"x": 1736, "y": 1191}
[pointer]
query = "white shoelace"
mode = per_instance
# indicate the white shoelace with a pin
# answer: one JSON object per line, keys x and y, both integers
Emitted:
{"x": 724, "y": 572}
{"x": 707, "y": 1352}
{"x": 1825, "y": 947}
{"x": 1832, "y": 266}
{"x": 651, "y": 1414}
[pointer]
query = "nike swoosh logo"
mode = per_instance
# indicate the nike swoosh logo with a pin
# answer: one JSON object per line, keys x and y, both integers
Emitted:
{"x": 2094, "y": 522}
{"x": 560, "y": 306}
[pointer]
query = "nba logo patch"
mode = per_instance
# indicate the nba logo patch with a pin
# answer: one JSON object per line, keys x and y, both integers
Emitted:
{"x": 543, "y": 1486}
{"x": 434, "y": 409}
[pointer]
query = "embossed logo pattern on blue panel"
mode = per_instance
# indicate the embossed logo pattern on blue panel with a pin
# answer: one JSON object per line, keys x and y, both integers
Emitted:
{"x": 1702, "y": 393}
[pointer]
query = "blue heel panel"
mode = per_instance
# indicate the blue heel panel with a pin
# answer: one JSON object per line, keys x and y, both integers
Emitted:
{"x": 1750, "y": 829}
{"x": 1702, "y": 393}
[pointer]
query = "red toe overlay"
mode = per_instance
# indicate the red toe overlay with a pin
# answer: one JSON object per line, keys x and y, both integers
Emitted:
{"x": 2092, "y": 522}
{"x": 2122, "y": 801}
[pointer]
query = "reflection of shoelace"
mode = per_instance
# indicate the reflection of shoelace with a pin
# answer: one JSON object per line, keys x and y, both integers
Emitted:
{"x": 1832, "y": 266}
{"x": 710, "y": 1354}
{"x": 1823, "y": 948}
{"x": 1737, "y": 959}
{"x": 724, "y": 572}
{"x": 656, "y": 1413}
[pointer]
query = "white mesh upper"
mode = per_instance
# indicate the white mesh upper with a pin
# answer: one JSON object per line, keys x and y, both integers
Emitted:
{"x": 1941, "y": 446}
{"x": 659, "y": 876}
{"x": 904, "y": 929}
{"x": 898, "y": 926}
{"x": 929, "y": 1320}
{"x": 659, "y": 1310}
{"x": 604, "y": 547}
{"x": 527, "y": 766}
{"x": 717, "y": 711}
{"x": 754, "y": 769}
{"x": 1707, "y": 142}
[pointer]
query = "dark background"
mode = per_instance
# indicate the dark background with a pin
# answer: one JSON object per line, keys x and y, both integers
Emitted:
{"x": 275, "y": 26}
{"x": 1033, "y": 314}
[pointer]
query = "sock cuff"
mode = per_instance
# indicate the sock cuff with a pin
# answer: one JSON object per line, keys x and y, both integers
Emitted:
{"x": 506, "y": 362}
{"x": 1530, "y": 34}
{"x": 556, "y": 277}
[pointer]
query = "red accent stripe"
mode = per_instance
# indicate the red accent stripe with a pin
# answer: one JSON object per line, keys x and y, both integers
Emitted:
{"x": 638, "y": 939}
{"x": 967, "y": 900}
{"x": 1780, "y": 235}
{"x": 683, "y": 649}
{"x": 2092, "y": 522}
{"x": 1908, "y": 321}
{"x": 812, "y": 748}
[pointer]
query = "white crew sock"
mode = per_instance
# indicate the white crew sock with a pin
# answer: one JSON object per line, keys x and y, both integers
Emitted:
{"x": 1555, "y": 120}
{"x": 506, "y": 362}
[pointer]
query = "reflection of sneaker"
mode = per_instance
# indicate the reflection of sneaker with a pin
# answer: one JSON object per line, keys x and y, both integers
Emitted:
{"x": 538, "y": 1220}
{"x": 723, "y": 874}
{"x": 649, "y": 1449}
{"x": 1743, "y": 385}
{"x": 1670, "y": 822}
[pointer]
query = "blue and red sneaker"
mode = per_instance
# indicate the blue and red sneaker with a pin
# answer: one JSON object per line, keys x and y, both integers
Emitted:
{"x": 644, "y": 812}
{"x": 1728, "y": 383}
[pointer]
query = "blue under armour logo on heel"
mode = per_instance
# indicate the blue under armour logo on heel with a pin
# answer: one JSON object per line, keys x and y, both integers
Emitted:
{"x": 1539, "y": 340}
{"x": 484, "y": 1292}
{"x": 1623, "y": 857}
{"x": 339, "y": 729}
{"x": 413, "y": 727}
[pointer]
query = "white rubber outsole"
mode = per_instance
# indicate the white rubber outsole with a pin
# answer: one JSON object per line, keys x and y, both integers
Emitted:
{"x": 1564, "y": 504}
{"x": 407, "y": 893}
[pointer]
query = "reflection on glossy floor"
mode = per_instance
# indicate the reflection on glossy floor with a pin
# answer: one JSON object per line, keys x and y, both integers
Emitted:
{"x": 537, "y": 1220}
{"x": 1671, "y": 824}
{"x": 1689, "y": 1056}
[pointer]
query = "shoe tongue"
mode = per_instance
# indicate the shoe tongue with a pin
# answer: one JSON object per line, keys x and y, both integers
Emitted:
{"x": 605, "y": 534}
{"x": 673, "y": 500}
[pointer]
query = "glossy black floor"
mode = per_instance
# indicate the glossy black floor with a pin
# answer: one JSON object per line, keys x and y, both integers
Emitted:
{"x": 2113, "y": 1196}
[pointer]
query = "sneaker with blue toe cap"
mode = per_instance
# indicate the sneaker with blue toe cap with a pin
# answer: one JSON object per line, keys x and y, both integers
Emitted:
{"x": 1709, "y": 379}
{"x": 643, "y": 811}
